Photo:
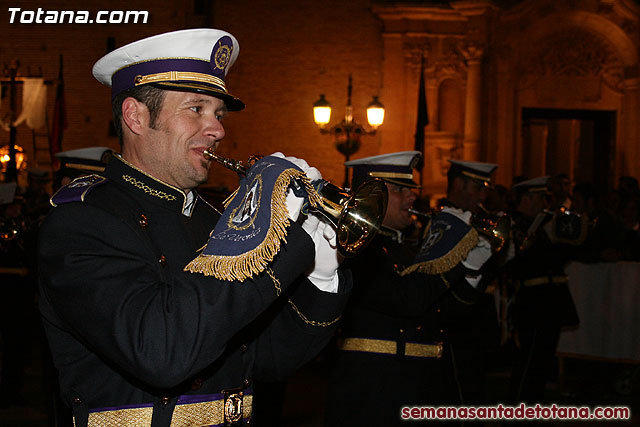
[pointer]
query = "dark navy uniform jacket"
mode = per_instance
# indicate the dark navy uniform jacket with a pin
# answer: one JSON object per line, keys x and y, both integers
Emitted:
{"x": 548, "y": 303}
{"x": 368, "y": 388}
{"x": 128, "y": 326}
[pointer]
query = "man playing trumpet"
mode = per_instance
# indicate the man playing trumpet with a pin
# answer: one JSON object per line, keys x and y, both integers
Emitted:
{"x": 393, "y": 344}
{"x": 137, "y": 339}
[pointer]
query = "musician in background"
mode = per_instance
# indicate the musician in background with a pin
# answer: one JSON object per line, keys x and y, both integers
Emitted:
{"x": 80, "y": 162}
{"x": 543, "y": 303}
{"x": 559, "y": 191}
{"x": 37, "y": 195}
{"x": 469, "y": 343}
{"x": 139, "y": 338}
{"x": 17, "y": 300}
{"x": 390, "y": 340}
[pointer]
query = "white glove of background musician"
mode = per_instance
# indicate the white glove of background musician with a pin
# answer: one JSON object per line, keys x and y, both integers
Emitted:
{"x": 325, "y": 268}
{"x": 477, "y": 256}
{"x": 294, "y": 203}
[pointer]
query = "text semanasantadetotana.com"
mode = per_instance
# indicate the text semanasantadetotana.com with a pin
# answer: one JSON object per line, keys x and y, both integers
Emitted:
{"x": 521, "y": 412}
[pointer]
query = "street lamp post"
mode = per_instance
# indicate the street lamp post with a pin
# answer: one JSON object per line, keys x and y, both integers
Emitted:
{"x": 347, "y": 133}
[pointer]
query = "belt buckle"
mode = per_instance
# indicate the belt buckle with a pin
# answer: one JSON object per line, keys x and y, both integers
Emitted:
{"x": 439, "y": 348}
{"x": 232, "y": 406}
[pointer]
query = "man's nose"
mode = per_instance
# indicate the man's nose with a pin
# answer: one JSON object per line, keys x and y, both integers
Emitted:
{"x": 214, "y": 129}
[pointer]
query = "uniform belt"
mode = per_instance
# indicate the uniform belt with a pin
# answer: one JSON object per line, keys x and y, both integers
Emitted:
{"x": 190, "y": 411}
{"x": 544, "y": 280}
{"x": 390, "y": 347}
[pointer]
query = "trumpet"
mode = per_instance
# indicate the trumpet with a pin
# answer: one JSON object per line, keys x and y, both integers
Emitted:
{"x": 420, "y": 214}
{"x": 495, "y": 227}
{"x": 356, "y": 216}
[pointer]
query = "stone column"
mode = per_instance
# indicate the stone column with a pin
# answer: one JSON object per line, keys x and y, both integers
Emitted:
{"x": 473, "y": 102}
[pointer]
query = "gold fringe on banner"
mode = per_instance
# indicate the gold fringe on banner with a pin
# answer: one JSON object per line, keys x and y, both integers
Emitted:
{"x": 447, "y": 261}
{"x": 252, "y": 263}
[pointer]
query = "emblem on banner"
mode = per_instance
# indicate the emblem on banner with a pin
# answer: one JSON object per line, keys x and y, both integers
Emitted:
{"x": 244, "y": 215}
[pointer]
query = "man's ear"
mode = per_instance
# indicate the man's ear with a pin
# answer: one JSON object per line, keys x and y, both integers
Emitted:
{"x": 135, "y": 115}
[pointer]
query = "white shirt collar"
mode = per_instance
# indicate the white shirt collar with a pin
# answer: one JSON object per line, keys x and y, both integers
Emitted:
{"x": 189, "y": 204}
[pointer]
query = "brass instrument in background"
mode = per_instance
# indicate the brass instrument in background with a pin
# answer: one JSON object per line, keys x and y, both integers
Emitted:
{"x": 566, "y": 227}
{"x": 356, "y": 216}
{"x": 497, "y": 228}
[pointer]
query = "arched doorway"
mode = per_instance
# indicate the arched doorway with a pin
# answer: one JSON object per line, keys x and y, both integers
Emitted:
{"x": 579, "y": 143}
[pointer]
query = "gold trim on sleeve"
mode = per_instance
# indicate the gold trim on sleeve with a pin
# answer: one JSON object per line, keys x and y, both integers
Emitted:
{"x": 306, "y": 320}
{"x": 460, "y": 300}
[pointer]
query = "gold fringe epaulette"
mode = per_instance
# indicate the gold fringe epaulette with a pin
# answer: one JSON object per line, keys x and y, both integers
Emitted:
{"x": 254, "y": 262}
{"x": 447, "y": 261}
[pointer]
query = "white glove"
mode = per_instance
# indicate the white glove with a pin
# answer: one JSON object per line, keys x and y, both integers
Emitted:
{"x": 476, "y": 258}
{"x": 325, "y": 267}
{"x": 294, "y": 203}
{"x": 312, "y": 173}
{"x": 479, "y": 255}
{"x": 464, "y": 216}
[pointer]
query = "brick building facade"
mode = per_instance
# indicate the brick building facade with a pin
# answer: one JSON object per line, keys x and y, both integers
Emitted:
{"x": 500, "y": 77}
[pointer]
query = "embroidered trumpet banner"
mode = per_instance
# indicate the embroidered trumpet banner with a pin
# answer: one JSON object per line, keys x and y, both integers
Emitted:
{"x": 254, "y": 223}
{"x": 447, "y": 242}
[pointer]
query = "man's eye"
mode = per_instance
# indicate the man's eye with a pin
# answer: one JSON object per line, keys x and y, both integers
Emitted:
{"x": 219, "y": 117}
{"x": 196, "y": 109}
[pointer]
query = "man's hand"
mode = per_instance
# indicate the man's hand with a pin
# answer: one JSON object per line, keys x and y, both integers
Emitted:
{"x": 294, "y": 203}
{"x": 464, "y": 216}
{"x": 476, "y": 258}
{"x": 479, "y": 255}
{"x": 325, "y": 268}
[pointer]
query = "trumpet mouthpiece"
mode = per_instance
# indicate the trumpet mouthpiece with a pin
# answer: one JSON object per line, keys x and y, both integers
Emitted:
{"x": 208, "y": 153}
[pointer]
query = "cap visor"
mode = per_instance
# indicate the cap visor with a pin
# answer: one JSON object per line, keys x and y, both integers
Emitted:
{"x": 401, "y": 182}
{"x": 232, "y": 103}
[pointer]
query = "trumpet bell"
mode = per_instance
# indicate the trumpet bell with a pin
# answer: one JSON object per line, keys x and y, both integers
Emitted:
{"x": 496, "y": 228}
{"x": 356, "y": 216}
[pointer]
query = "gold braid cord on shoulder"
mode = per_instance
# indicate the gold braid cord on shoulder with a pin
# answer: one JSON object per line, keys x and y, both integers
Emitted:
{"x": 254, "y": 262}
{"x": 447, "y": 261}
